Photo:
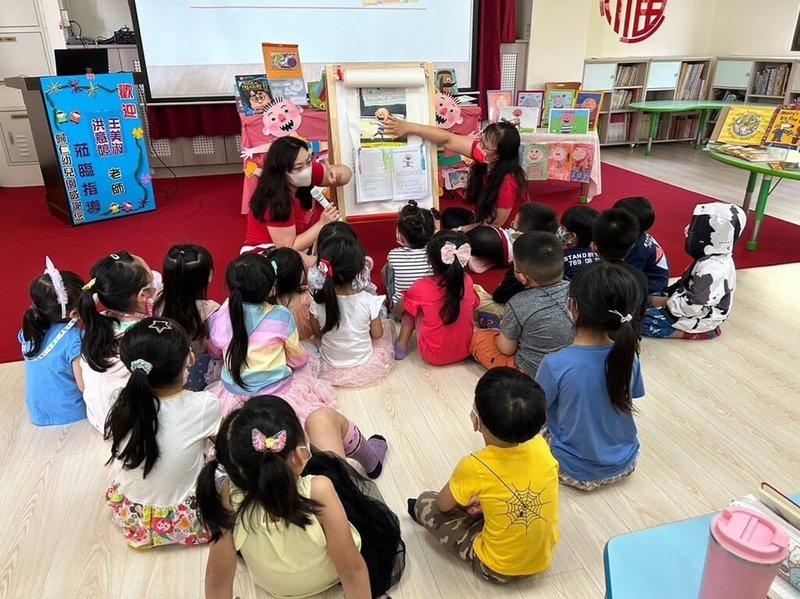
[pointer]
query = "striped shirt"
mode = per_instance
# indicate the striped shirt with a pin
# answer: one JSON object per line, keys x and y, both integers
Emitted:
{"x": 409, "y": 265}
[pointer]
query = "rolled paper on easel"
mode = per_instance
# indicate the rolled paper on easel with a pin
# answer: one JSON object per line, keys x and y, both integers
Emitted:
{"x": 402, "y": 78}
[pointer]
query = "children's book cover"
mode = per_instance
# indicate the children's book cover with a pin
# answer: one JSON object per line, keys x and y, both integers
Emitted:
{"x": 313, "y": 96}
{"x": 559, "y": 162}
{"x": 582, "y": 155}
{"x": 785, "y": 129}
{"x": 557, "y": 98}
{"x": 524, "y": 119}
{"x": 591, "y": 101}
{"x": 495, "y": 100}
{"x": 376, "y": 105}
{"x": 282, "y": 61}
{"x": 746, "y": 125}
{"x": 293, "y": 90}
{"x": 446, "y": 81}
{"x": 252, "y": 94}
{"x": 569, "y": 120}
{"x": 533, "y": 158}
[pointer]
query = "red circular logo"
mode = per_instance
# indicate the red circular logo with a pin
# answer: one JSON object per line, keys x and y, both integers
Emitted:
{"x": 634, "y": 20}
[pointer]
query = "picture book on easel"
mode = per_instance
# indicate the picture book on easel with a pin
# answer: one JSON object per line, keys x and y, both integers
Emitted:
{"x": 377, "y": 104}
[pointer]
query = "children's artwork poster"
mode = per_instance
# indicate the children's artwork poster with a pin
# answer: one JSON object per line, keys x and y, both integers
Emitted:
{"x": 785, "y": 129}
{"x": 292, "y": 90}
{"x": 456, "y": 178}
{"x": 533, "y": 159}
{"x": 448, "y": 111}
{"x": 446, "y": 81}
{"x": 99, "y": 139}
{"x": 582, "y": 156}
{"x": 591, "y": 101}
{"x": 523, "y": 118}
{"x": 559, "y": 162}
{"x": 376, "y": 105}
{"x": 569, "y": 120}
{"x": 252, "y": 94}
{"x": 557, "y": 98}
{"x": 495, "y": 100}
{"x": 282, "y": 61}
{"x": 746, "y": 125}
{"x": 530, "y": 98}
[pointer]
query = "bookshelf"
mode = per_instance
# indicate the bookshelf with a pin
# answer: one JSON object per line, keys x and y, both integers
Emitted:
{"x": 626, "y": 81}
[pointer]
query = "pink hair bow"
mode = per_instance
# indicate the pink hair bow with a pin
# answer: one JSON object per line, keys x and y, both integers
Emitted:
{"x": 450, "y": 252}
{"x": 264, "y": 444}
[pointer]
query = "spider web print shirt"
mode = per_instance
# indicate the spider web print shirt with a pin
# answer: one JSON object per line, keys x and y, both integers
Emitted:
{"x": 518, "y": 491}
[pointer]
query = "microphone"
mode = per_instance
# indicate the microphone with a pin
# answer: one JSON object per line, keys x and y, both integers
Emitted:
{"x": 319, "y": 197}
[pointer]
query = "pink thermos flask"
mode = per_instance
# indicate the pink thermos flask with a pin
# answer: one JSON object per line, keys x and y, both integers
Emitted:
{"x": 744, "y": 552}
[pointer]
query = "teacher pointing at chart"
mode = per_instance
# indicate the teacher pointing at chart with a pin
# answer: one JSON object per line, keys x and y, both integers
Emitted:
{"x": 497, "y": 185}
{"x": 282, "y": 211}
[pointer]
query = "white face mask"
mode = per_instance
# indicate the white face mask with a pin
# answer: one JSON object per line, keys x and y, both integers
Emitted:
{"x": 301, "y": 178}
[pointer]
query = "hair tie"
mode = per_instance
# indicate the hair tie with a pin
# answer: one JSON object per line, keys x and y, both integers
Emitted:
{"x": 34, "y": 308}
{"x": 274, "y": 266}
{"x": 114, "y": 256}
{"x": 413, "y": 203}
{"x": 58, "y": 285}
{"x": 142, "y": 365}
{"x": 182, "y": 253}
{"x": 450, "y": 253}
{"x": 89, "y": 285}
{"x": 325, "y": 267}
{"x": 264, "y": 444}
{"x": 622, "y": 319}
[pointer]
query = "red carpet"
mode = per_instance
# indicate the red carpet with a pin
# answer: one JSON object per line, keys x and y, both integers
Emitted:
{"x": 205, "y": 210}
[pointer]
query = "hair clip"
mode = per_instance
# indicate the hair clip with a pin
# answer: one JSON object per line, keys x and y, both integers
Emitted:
{"x": 622, "y": 319}
{"x": 114, "y": 256}
{"x": 450, "y": 253}
{"x": 160, "y": 326}
{"x": 142, "y": 365}
{"x": 89, "y": 285}
{"x": 264, "y": 444}
{"x": 325, "y": 267}
{"x": 274, "y": 266}
{"x": 58, "y": 284}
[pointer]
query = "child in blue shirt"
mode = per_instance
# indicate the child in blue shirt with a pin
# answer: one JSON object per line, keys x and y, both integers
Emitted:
{"x": 51, "y": 347}
{"x": 646, "y": 254}
{"x": 590, "y": 385}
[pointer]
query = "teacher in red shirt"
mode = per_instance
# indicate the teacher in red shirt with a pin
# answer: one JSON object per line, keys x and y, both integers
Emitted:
{"x": 282, "y": 211}
{"x": 497, "y": 185}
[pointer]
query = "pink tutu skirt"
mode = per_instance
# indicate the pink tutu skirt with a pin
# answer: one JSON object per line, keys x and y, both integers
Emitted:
{"x": 305, "y": 391}
{"x": 379, "y": 365}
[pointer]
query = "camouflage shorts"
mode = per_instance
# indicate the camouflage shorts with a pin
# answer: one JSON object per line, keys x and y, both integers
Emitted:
{"x": 456, "y": 531}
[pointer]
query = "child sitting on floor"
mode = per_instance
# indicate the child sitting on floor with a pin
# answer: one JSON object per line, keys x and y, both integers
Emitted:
{"x": 646, "y": 254}
{"x": 290, "y": 291}
{"x": 158, "y": 432}
{"x": 408, "y": 263}
{"x": 356, "y": 345}
{"x": 363, "y": 281}
{"x": 701, "y": 300}
{"x": 536, "y": 321}
{"x": 576, "y": 234}
{"x": 441, "y": 307}
{"x": 499, "y": 511}
{"x": 51, "y": 347}
{"x": 531, "y": 217}
{"x": 590, "y": 385}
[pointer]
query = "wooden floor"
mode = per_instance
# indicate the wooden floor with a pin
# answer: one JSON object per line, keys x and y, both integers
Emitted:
{"x": 719, "y": 417}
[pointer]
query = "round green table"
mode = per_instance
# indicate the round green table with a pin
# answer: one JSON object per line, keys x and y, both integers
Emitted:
{"x": 767, "y": 173}
{"x": 656, "y": 107}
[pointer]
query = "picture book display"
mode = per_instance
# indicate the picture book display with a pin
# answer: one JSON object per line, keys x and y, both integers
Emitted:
{"x": 531, "y": 98}
{"x": 396, "y": 174}
{"x": 284, "y": 72}
{"x": 743, "y": 125}
{"x": 568, "y": 120}
{"x": 754, "y": 153}
{"x": 582, "y": 157}
{"x": 557, "y": 98}
{"x": 592, "y": 101}
{"x": 533, "y": 159}
{"x": 495, "y": 100}
{"x": 446, "y": 81}
{"x": 252, "y": 93}
{"x": 784, "y": 132}
{"x": 376, "y": 105}
{"x": 559, "y": 162}
{"x": 523, "y": 118}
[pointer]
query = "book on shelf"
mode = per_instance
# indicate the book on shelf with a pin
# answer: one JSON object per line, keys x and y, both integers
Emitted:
{"x": 627, "y": 75}
{"x": 743, "y": 125}
{"x": 785, "y": 513}
{"x": 683, "y": 127}
{"x": 618, "y": 126}
{"x": 691, "y": 84}
{"x": 620, "y": 99}
{"x": 771, "y": 81}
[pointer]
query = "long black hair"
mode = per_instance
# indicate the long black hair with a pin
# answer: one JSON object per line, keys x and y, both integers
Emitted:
{"x": 264, "y": 478}
{"x": 289, "y": 268}
{"x": 417, "y": 224}
{"x": 250, "y": 279}
{"x": 606, "y": 294}
{"x": 45, "y": 311}
{"x": 344, "y": 257}
{"x": 155, "y": 351}
{"x": 118, "y": 279}
{"x": 271, "y": 199}
{"x": 449, "y": 276}
{"x": 187, "y": 270}
{"x": 484, "y": 182}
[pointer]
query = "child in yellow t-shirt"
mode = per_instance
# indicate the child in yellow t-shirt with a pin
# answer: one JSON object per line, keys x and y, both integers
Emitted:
{"x": 499, "y": 511}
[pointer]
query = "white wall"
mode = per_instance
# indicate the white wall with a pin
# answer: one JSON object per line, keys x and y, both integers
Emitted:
{"x": 99, "y": 18}
{"x": 755, "y": 27}
{"x": 557, "y": 49}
